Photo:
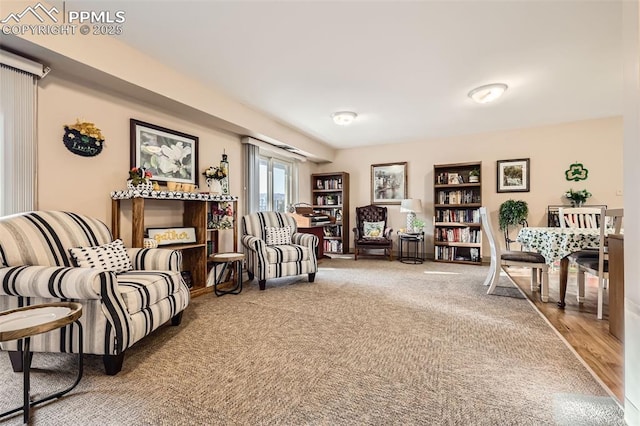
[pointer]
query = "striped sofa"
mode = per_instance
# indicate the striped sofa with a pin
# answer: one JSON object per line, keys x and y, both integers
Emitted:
{"x": 294, "y": 257}
{"x": 118, "y": 309}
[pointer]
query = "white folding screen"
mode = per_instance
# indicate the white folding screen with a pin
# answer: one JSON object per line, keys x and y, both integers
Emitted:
{"x": 18, "y": 159}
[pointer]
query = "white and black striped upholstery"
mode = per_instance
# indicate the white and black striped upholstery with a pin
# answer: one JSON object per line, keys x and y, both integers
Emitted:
{"x": 118, "y": 309}
{"x": 265, "y": 261}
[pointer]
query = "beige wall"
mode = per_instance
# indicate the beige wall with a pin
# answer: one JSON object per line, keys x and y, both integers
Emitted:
{"x": 595, "y": 143}
{"x": 82, "y": 184}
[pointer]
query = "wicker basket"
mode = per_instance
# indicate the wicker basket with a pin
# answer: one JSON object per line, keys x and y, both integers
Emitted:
{"x": 150, "y": 243}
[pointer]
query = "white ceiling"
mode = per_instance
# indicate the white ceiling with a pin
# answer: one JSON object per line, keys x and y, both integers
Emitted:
{"x": 404, "y": 67}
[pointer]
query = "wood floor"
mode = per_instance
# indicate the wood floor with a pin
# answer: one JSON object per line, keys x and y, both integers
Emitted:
{"x": 590, "y": 337}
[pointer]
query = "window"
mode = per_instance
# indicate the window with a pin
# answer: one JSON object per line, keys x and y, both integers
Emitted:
{"x": 276, "y": 184}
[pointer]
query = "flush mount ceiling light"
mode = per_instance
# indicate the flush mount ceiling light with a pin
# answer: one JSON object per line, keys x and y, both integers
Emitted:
{"x": 343, "y": 118}
{"x": 487, "y": 93}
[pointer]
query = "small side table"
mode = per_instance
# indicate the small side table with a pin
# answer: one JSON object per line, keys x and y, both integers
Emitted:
{"x": 22, "y": 323}
{"x": 226, "y": 260}
{"x": 416, "y": 247}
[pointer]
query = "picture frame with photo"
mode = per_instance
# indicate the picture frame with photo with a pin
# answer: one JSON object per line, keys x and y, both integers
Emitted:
{"x": 513, "y": 175}
{"x": 453, "y": 179}
{"x": 388, "y": 183}
{"x": 170, "y": 155}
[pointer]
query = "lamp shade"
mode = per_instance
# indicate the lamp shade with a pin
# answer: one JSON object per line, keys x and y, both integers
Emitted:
{"x": 411, "y": 205}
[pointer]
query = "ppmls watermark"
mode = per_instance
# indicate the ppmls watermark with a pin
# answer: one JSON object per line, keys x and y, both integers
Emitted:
{"x": 54, "y": 22}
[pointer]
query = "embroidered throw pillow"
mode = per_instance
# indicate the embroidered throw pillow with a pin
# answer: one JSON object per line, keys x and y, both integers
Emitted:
{"x": 107, "y": 257}
{"x": 278, "y": 236}
{"x": 373, "y": 229}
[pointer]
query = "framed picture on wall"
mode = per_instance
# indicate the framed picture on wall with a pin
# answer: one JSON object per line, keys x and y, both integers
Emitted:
{"x": 388, "y": 183}
{"x": 513, "y": 175}
{"x": 171, "y": 156}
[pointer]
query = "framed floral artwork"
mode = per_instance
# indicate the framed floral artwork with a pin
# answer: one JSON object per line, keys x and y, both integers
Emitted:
{"x": 513, "y": 175}
{"x": 388, "y": 183}
{"x": 170, "y": 156}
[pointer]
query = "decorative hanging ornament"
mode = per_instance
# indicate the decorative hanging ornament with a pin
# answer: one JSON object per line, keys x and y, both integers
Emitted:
{"x": 83, "y": 138}
{"x": 224, "y": 166}
{"x": 576, "y": 172}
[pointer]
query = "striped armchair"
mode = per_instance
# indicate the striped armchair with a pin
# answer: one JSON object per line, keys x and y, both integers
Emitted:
{"x": 272, "y": 258}
{"x": 118, "y": 309}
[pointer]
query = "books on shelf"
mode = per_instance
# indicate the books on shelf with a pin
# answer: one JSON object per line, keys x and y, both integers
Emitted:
{"x": 458, "y": 235}
{"x": 329, "y": 183}
{"x": 465, "y": 196}
{"x": 458, "y": 215}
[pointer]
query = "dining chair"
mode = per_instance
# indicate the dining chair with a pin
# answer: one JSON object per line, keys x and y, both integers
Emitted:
{"x": 501, "y": 259}
{"x": 579, "y": 217}
{"x": 611, "y": 222}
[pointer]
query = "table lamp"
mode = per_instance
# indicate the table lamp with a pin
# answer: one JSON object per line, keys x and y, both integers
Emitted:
{"x": 410, "y": 206}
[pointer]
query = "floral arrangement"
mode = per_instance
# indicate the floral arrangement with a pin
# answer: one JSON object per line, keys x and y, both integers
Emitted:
{"x": 216, "y": 173}
{"x": 577, "y": 197}
{"x": 87, "y": 129}
{"x": 139, "y": 175}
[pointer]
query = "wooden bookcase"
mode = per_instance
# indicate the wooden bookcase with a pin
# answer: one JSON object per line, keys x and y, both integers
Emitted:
{"x": 330, "y": 196}
{"x": 457, "y": 233}
{"x": 197, "y": 213}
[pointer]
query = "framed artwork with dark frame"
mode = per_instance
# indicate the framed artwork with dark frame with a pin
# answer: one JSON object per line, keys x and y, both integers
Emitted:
{"x": 388, "y": 183}
{"x": 171, "y": 156}
{"x": 513, "y": 175}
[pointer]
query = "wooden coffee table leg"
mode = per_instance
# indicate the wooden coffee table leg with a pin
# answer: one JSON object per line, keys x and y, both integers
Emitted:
{"x": 564, "y": 273}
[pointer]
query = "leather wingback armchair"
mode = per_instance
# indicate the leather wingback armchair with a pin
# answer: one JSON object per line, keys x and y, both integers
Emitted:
{"x": 119, "y": 309}
{"x": 293, "y": 254}
{"x": 362, "y": 241}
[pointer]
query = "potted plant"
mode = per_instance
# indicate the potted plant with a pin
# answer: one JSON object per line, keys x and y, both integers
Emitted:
{"x": 577, "y": 197}
{"x": 474, "y": 176}
{"x": 418, "y": 225}
{"x": 139, "y": 179}
{"x": 512, "y": 213}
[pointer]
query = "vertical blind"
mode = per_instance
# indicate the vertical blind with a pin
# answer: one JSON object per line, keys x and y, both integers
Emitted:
{"x": 18, "y": 160}
{"x": 252, "y": 178}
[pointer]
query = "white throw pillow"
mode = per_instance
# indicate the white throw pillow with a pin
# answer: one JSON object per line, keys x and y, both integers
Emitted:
{"x": 107, "y": 257}
{"x": 373, "y": 230}
{"x": 278, "y": 236}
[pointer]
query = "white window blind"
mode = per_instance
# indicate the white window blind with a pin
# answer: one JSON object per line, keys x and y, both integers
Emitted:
{"x": 18, "y": 161}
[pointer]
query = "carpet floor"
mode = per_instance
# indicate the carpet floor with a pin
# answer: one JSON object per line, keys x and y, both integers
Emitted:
{"x": 370, "y": 342}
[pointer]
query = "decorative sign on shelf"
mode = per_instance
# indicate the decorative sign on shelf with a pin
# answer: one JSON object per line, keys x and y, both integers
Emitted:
{"x": 165, "y": 236}
{"x": 576, "y": 172}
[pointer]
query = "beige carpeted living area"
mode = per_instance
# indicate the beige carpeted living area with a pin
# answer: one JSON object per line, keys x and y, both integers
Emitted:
{"x": 370, "y": 342}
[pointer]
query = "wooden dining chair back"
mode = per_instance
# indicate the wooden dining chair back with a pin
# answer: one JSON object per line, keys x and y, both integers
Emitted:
{"x": 610, "y": 223}
{"x": 501, "y": 259}
{"x": 579, "y": 217}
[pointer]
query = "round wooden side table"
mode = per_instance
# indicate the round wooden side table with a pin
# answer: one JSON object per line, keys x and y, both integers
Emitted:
{"x": 226, "y": 261}
{"x": 22, "y": 323}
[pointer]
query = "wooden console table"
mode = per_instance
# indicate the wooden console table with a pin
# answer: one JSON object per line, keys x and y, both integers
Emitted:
{"x": 196, "y": 209}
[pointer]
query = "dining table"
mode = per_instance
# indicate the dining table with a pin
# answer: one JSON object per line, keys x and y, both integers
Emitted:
{"x": 557, "y": 244}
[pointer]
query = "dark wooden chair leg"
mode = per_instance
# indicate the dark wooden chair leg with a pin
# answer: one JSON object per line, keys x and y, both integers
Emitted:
{"x": 177, "y": 319}
{"x": 17, "y": 361}
{"x": 113, "y": 363}
{"x": 262, "y": 284}
{"x": 250, "y": 275}
{"x": 312, "y": 277}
